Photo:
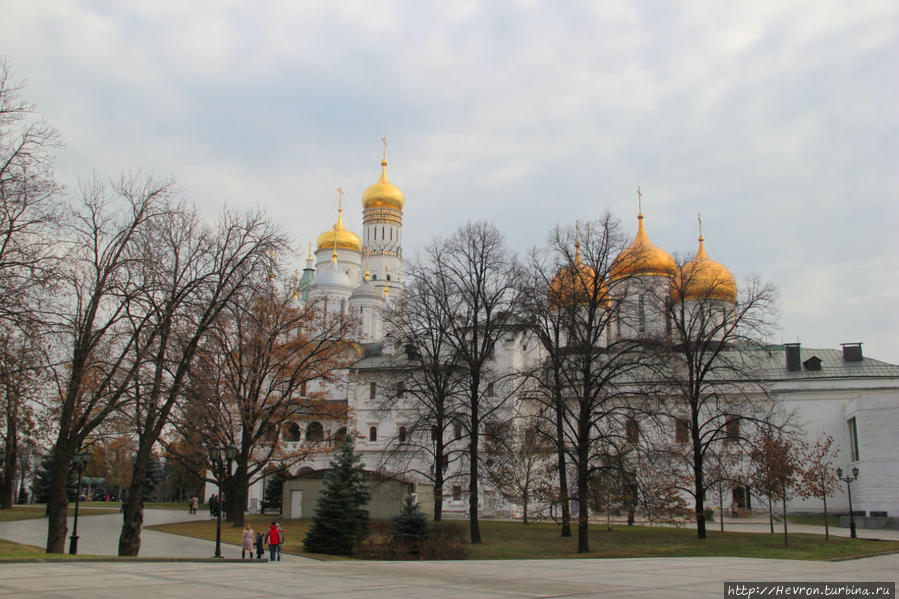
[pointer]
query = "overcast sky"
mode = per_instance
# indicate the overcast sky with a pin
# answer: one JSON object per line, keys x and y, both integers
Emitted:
{"x": 777, "y": 120}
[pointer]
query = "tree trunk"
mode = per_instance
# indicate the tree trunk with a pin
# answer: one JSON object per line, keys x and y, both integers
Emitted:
{"x": 721, "y": 509}
{"x": 8, "y": 482}
{"x": 57, "y": 504}
{"x": 524, "y": 498}
{"x": 770, "y": 515}
{"x": 826, "y": 526}
{"x": 786, "y": 544}
{"x": 583, "y": 531}
{"x": 699, "y": 491}
{"x": 563, "y": 473}
{"x": 129, "y": 538}
{"x": 473, "y": 527}
{"x": 237, "y": 504}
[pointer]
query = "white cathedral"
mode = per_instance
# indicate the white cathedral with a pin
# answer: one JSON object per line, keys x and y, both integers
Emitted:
{"x": 839, "y": 392}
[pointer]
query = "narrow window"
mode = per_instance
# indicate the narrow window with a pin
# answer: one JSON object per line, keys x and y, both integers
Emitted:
{"x": 402, "y": 434}
{"x": 681, "y": 431}
{"x": 457, "y": 493}
{"x": 388, "y": 277}
{"x": 374, "y": 277}
{"x": 457, "y": 431}
{"x": 732, "y": 429}
{"x": 642, "y": 315}
{"x": 373, "y": 433}
{"x": 489, "y": 389}
{"x": 400, "y": 389}
{"x": 303, "y": 389}
{"x": 382, "y": 234}
{"x": 391, "y": 234}
{"x": 434, "y": 433}
{"x": 372, "y": 390}
{"x": 445, "y": 461}
{"x": 632, "y": 431}
{"x": 853, "y": 439}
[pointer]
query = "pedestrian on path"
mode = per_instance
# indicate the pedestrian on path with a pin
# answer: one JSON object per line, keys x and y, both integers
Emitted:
{"x": 248, "y": 537}
{"x": 280, "y": 540}
{"x": 273, "y": 539}
{"x": 194, "y": 504}
{"x": 260, "y": 545}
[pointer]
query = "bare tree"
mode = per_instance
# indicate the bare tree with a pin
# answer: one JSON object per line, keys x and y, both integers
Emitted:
{"x": 819, "y": 478}
{"x": 29, "y": 209}
{"x": 432, "y": 379}
{"x": 590, "y": 376}
{"x": 101, "y": 331}
{"x": 710, "y": 372}
{"x": 22, "y": 378}
{"x": 775, "y": 468}
{"x": 519, "y": 463}
{"x": 190, "y": 273}
{"x": 476, "y": 279}
{"x": 250, "y": 378}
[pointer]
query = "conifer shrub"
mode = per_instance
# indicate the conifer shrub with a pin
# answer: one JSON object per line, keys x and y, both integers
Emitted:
{"x": 340, "y": 522}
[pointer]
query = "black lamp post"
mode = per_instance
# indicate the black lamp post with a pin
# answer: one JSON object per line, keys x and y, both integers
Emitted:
{"x": 849, "y": 480}
{"x": 220, "y": 468}
{"x": 80, "y": 461}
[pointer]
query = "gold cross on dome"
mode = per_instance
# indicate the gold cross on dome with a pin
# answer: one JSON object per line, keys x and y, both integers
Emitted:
{"x": 639, "y": 200}
{"x": 384, "y": 141}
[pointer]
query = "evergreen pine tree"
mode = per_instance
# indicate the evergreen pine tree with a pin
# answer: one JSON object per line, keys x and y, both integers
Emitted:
{"x": 274, "y": 489}
{"x": 411, "y": 524}
{"x": 339, "y": 520}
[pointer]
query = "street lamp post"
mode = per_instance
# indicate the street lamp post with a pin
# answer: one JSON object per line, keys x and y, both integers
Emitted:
{"x": 220, "y": 468}
{"x": 80, "y": 461}
{"x": 849, "y": 480}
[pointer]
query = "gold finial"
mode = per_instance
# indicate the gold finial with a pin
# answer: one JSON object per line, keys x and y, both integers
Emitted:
{"x": 367, "y": 274}
{"x": 384, "y": 141}
{"x": 699, "y": 218}
{"x": 639, "y": 203}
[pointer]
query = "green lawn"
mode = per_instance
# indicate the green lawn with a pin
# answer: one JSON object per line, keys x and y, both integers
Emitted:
{"x": 514, "y": 540}
{"x": 30, "y": 512}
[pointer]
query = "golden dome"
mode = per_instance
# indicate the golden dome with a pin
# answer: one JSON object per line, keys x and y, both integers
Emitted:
{"x": 575, "y": 285}
{"x": 702, "y": 278}
{"x": 642, "y": 258}
{"x": 383, "y": 194}
{"x": 338, "y": 237}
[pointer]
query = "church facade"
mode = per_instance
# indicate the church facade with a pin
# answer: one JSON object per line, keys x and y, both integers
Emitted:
{"x": 836, "y": 392}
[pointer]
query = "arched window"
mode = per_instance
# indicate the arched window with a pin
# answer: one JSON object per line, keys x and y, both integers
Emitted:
{"x": 291, "y": 432}
{"x": 374, "y": 277}
{"x": 457, "y": 429}
{"x": 373, "y": 433}
{"x": 401, "y": 434}
{"x": 388, "y": 277}
{"x": 315, "y": 432}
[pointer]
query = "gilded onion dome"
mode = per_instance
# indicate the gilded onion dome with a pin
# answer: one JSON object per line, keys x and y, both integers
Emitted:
{"x": 383, "y": 193}
{"x": 642, "y": 258}
{"x": 702, "y": 278}
{"x": 339, "y": 237}
{"x": 575, "y": 284}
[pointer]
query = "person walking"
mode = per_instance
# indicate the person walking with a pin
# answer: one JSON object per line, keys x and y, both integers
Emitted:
{"x": 260, "y": 545}
{"x": 194, "y": 504}
{"x": 280, "y": 540}
{"x": 248, "y": 538}
{"x": 273, "y": 539}
{"x": 213, "y": 503}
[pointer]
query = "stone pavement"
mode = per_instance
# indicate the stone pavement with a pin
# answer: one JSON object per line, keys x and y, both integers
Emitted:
{"x": 99, "y": 535}
{"x": 518, "y": 579}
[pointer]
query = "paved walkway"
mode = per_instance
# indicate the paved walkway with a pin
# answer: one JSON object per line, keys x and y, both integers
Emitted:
{"x": 518, "y": 579}
{"x": 99, "y": 535}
